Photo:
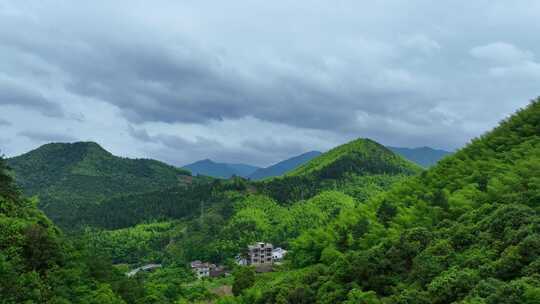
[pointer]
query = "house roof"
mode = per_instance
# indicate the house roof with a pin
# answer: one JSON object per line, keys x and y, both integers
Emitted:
{"x": 199, "y": 264}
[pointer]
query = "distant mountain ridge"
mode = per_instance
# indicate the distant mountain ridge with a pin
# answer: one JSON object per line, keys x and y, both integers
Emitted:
{"x": 284, "y": 166}
{"x": 423, "y": 156}
{"x": 208, "y": 167}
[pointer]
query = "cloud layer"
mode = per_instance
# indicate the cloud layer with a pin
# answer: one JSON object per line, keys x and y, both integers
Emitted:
{"x": 257, "y": 81}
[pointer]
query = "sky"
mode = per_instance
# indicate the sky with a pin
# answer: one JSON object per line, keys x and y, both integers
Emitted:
{"x": 257, "y": 81}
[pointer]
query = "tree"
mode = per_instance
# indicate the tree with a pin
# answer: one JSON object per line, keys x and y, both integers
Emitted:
{"x": 244, "y": 277}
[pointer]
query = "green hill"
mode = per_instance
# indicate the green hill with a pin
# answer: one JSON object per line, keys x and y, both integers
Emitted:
{"x": 465, "y": 231}
{"x": 38, "y": 264}
{"x": 351, "y": 167}
{"x": 68, "y": 176}
{"x": 358, "y": 156}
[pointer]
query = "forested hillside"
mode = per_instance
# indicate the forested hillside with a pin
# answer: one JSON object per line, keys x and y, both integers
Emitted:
{"x": 216, "y": 220}
{"x": 352, "y": 168}
{"x": 173, "y": 203}
{"x": 362, "y": 225}
{"x": 68, "y": 177}
{"x": 465, "y": 231}
{"x": 38, "y": 265}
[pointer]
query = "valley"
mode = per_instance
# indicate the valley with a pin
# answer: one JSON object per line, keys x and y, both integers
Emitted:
{"x": 360, "y": 223}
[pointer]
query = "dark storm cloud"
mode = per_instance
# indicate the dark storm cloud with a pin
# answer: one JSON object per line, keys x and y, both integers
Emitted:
{"x": 44, "y": 137}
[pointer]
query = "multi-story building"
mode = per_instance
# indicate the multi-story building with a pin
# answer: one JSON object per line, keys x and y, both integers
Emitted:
{"x": 260, "y": 253}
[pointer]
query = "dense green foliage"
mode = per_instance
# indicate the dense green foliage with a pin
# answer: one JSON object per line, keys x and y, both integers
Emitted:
{"x": 339, "y": 168}
{"x": 67, "y": 177}
{"x": 361, "y": 224}
{"x": 173, "y": 203}
{"x": 37, "y": 265}
{"x": 254, "y": 211}
{"x": 465, "y": 231}
{"x": 141, "y": 244}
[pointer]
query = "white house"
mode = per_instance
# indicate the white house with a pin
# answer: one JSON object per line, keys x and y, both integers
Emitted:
{"x": 241, "y": 260}
{"x": 278, "y": 254}
{"x": 201, "y": 269}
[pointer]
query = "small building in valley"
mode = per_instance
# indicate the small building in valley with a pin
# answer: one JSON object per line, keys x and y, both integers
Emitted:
{"x": 240, "y": 260}
{"x": 278, "y": 254}
{"x": 201, "y": 269}
{"x": 260, "y": 253}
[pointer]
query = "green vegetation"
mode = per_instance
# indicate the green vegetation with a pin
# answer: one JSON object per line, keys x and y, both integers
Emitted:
{"x": 174, "y": 203}
{"x": 465, "y": 231}
{"x": 141, "y": 244}
{"x": 37, "y": 264}
{"x": 361, "y": 224}
{"x": 68, "y": 177}
{"x": 361, "y": 155}
{"x": 360, "y": 163}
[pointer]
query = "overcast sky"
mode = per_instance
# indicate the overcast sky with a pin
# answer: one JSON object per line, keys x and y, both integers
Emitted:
{"x": 258, "y": 81}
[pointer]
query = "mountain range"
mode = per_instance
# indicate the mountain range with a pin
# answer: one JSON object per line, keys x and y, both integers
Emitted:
{"x": 361, "y": 225}
{"x": 77, "y": 183}
{"x": 423, "y": 156}
{"x": 284, "y": 166}
{"x": 208, "y": 167}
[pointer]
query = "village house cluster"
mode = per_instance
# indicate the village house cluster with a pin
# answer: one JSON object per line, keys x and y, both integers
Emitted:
{"x": 260, "y": 255}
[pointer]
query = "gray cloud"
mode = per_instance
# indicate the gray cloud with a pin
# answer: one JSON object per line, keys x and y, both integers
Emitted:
{"x": 4, "y": 122}
{"x": 44, "y": 137}
{"x": 501, "y": 53}
{"x": 403, "y": 73}
{"x": 17, "y": 95}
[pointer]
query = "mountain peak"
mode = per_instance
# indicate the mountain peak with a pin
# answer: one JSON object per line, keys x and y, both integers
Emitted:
{"x": 362, "y": 155}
